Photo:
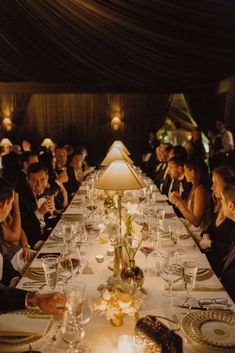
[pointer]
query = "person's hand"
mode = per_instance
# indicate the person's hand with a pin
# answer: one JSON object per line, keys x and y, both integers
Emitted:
{"x": 206, "y": 236}
{"x": 27, "y": 254}
{"x": 47, "y": 206}
{"x": 63, "y": 177}
{"x": 52, "y": 303}
{"x": 205, "y": 243}
{"x": 174, "y": 197}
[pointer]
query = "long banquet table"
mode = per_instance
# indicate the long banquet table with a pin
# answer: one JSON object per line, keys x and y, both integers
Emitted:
{"x": 100, "y": 336}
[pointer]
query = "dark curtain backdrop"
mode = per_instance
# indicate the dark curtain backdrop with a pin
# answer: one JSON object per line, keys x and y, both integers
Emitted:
{"x": 86, "y": 119}
{"x": 118, "y": 45}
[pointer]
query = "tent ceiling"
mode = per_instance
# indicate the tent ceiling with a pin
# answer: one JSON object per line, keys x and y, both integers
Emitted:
{"x": 113, "y": 45}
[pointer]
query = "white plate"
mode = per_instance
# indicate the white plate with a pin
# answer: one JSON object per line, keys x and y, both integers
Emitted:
{"x": 211, "y": 328}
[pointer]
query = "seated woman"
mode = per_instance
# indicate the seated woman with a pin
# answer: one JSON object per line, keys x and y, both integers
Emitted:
{"x": 196, "y": 209}
{"x": 217, "y": 238}
{"x": 79, "y": 167}
{"x": 8, "y": 202}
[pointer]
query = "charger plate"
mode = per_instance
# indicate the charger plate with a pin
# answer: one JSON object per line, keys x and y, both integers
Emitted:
{"x": 6, "y": 341}
{"x": 210, "y": 328}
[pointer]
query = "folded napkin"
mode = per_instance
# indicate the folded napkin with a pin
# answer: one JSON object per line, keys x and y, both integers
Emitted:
{"x": 87, "y": 270}
{"x": 24, "y": 325}
{"x": 74, "y": 210}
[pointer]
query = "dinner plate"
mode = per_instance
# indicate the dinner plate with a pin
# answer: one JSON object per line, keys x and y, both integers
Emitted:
{"x": 210, "y": 328}
{"x": 204, "y": 273}
{"x": 22, "y": 340}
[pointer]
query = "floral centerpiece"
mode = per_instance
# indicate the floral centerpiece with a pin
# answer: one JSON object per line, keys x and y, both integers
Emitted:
{"x": 117, "y": 300}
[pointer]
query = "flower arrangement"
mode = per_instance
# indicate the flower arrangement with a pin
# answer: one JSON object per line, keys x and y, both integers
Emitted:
{"x": 117, "y": 300}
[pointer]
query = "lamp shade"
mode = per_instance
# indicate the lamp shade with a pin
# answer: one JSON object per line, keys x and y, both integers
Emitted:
{"x": 47, "y": 142}
{"x": 5, "y": 142}
{"x": 119, "y": 176}
{"x": 115, "y": 154}
{"x": 120, "y": 145}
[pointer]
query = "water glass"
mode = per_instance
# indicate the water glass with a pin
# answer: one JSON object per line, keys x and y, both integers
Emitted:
{"x": 50, "y": 266}
{"x": 190, "y": 268}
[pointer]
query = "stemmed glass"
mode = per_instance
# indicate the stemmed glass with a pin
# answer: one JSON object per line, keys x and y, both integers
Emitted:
{"x": 66, "y": 267}
{"x": 50, "y": 266}
{"x": 171, "y": 272}
{"x": 80, "y": 238}
{"x": 52, "y": 215}
{"x": 147, "y": 247}
{"x": 73, "y": 333}
{"x": 68, "y": 231}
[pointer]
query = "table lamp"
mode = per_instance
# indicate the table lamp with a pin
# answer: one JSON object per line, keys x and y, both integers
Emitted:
{"x": 119, "y": 176}
{"x": 120, "y": 145}
{"x": 115, "y": 154}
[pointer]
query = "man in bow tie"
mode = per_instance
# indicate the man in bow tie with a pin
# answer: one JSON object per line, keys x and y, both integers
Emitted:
{"x": 34, "y": 204}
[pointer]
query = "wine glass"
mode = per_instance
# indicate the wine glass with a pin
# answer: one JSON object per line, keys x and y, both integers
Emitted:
{"x": 147, "y": 247}
{"x": 76, "y": 298}
{"x": 68, "y": 231}
{"x": 66, "y": 267}
{"x": 72, "y": 333}
{"x": 80, "y": 238}
{"x": 52, "y": 215}
{"x": 50, "y": 266}
{"x": 171, "y": 272}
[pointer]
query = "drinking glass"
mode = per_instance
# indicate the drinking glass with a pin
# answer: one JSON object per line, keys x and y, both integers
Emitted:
{"x": 50, "y": 266}
{"x": 52, "y": 215}
{"x": 68, "y": 231}
{"x": 76, "y": 298}
{"x": 147, "y": 247}
{"x": 66, "y": 267}
{"x": 72, "y": 333}
{"x": 190, "y": 267}
{"x": 171, "y": 272}
{"x": 80, "y": 238}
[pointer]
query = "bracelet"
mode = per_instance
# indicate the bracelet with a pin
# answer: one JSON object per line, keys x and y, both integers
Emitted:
{"x": 30, "y": 300}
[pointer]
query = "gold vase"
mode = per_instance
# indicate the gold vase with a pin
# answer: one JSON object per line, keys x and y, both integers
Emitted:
{"x": 117, "y": 261}
{"x": 117, "y": 321}
{"x": 133, "y": 274}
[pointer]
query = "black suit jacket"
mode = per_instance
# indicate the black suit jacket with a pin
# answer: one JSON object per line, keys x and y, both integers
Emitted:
{"x": 29, "y": 220}
{"x": 12, "y": 298}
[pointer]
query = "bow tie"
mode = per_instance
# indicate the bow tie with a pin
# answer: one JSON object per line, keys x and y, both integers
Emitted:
{"x": 40, "y": 196}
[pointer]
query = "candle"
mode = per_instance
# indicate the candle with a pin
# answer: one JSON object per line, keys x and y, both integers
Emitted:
{"x": 99, "y": 258}
{"x": 126, "y": 344}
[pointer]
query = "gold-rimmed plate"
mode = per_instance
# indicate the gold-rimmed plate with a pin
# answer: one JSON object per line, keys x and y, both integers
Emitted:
{"x": 211, "y": 328}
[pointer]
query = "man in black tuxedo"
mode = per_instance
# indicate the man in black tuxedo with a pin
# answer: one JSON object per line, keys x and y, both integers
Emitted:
{"x": 64, "y": 173}
{"x": 26, "y": 159}
{"x": 228, "y": 206}
{"x": 34, "y": 205}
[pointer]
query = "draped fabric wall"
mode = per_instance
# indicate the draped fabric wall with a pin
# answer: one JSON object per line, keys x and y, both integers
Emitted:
{"x": 118, "y": 45}
{"x": 86, "y": 119}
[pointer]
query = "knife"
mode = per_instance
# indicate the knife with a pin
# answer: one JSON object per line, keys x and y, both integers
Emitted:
{"x": 206, "y": 308}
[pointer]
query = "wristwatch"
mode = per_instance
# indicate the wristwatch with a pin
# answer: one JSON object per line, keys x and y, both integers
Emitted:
{"x": 30, "y": 300}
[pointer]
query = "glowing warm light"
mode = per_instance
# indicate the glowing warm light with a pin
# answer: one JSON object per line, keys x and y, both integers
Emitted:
{"x": 115, "y": 154}
{"x": 120, "y": 145}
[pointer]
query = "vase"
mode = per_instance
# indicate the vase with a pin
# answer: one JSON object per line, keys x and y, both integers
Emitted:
{"x": 117, "y": 320}
{"x": 117, "y": 261}
{"x": 132, "y": 274}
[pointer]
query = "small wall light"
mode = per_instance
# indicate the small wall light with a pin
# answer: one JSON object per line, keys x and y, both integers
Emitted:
{"x": 115, "y": 123}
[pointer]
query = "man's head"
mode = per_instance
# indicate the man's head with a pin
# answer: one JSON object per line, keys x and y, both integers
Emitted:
{"x": 228, "y": 198}
{"x": 165, "y": 149}
{"x": 176, "y": 167}
{"x": 220, "y": 125}
{"x": 61, "y": 156}
{"x": 28, "y": 158}
{"x": 77, "y": 159}
{"x": 6, "y": 198}
{"x": 37, "y": 177}
{"x": 26, "y": 145}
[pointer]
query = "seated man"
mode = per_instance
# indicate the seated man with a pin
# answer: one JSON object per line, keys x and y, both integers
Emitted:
{"x": 228, "y": 205}
{"x": 64, "y": 173}
{"x": 17, "y": 299}
{"x": 26, "y": 159}
{"x": 35, "y": 206}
